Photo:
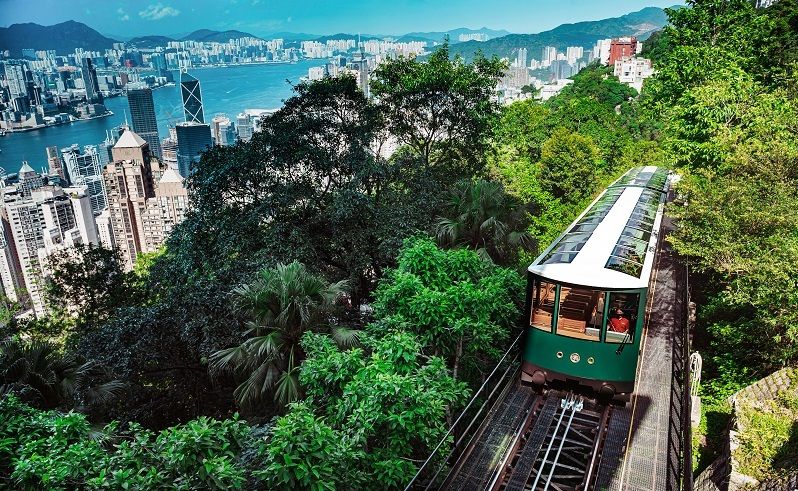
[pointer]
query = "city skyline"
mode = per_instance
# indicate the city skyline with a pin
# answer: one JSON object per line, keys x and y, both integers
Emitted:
{"x": 174, "y": 18}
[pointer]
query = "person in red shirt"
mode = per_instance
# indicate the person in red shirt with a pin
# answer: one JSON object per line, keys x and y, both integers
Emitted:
{"x": 619, "y": 323}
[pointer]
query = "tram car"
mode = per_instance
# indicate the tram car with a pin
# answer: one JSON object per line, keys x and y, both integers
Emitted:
{"x": 587, "y": 292}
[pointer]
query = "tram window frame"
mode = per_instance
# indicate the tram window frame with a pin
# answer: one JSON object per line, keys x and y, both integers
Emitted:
{"x": 534, "y": 302}
{"x": 583, "y": 335}
{"x": 631, "y": 308}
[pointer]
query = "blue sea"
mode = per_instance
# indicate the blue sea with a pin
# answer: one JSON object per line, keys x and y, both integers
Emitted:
{"x": 227, "y": 90}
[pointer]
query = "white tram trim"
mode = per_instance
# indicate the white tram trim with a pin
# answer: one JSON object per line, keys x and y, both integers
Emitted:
{"x": 588, "y": 266}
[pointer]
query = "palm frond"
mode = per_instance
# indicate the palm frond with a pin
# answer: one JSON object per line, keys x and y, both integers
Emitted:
{"x": 345, "y": 337}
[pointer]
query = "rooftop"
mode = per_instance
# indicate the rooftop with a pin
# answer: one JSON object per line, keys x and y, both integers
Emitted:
{"x": 130, "y": 139}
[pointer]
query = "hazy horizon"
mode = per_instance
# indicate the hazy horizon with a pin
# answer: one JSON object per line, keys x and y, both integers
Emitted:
{"x": 126, "y": 19}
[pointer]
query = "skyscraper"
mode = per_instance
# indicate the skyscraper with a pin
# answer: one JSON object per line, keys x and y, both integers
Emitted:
{"x": 89, "y": 73}
{"x": 142, "y": 111}
{"x": 54, "y": 163}
{"x": 192, "y": 140}
{"x": 521, "y": 58}
{"x": 192, "y": 98}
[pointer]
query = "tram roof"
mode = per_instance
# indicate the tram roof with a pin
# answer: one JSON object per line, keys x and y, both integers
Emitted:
{"x": 611, "y": 244}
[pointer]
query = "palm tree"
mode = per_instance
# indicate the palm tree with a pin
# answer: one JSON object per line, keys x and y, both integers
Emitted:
{"x": 42, "y": 376}
{"x": 283, "y": 303}
{"x": 481, "y": 216}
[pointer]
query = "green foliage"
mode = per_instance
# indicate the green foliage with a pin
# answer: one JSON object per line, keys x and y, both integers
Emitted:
{"x": 460, "y": 306}
{"x": 442, "y": 108}
{"x": 88, "y": 281}
{"x": 58, "y": 451}
{"x": 371, "y": 413}
{"x": 481, "y": 216}
{"x": 283, "y": 303}
{"x": 41, "y": 375}
{"x": 569, "y": 166}
{"x": 768, "y": 436}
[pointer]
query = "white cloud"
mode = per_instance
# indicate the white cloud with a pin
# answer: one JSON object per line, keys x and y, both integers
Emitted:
{"x": 122, "y": 14}
{"x": 158, "y": 11}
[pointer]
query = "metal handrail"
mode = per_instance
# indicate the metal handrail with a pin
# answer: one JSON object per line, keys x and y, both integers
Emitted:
{"x": 462, "y": 415}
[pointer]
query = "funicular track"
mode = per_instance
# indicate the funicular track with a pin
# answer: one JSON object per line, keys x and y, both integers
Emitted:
{"x": 558, "y": 448}
{"x": 557, "y": 445}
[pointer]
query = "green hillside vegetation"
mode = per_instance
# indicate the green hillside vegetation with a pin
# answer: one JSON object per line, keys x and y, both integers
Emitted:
{"x": 324, "y": 312}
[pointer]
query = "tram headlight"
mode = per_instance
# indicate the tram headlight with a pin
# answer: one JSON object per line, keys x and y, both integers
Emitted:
{"x": 575, "y": 357}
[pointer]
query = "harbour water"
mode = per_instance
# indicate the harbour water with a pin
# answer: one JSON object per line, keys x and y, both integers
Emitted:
{"x": 227, "y": 90}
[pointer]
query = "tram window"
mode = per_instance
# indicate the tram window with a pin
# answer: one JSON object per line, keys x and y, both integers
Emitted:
{"x": 577, "y": 306}
{"x": 542, "y": 305}
{"x": 621, "y": 327}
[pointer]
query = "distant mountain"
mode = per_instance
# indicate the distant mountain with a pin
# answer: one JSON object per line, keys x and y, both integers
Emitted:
{"x": 149, "y": 41}
{"x": 641, "y": 24}
{"x": 63, "y": 38}
{"x": 453, "y": 34}
{"x": 341, "y": 35}
{"x": 209, "y": 36}
{"x": 290, "y": 36}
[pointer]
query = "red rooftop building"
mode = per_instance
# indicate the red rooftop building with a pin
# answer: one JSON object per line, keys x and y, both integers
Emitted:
{"x": 621, "y": 47}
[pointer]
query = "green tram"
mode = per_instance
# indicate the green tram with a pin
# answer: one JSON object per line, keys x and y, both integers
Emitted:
{"x": 587, "y": 292}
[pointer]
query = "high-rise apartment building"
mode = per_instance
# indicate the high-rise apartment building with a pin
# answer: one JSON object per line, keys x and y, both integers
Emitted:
{"x": 548, "y": 55}
{"x": 85, "y": 170}
{"x": 89, "y": 74}
{"x": 520, "y": 60}
{"x": 192, "y": 140}
{"x": 165, "y": 210}
{"x": 49, "y": 220}
{"x": 142, "y": 112}
{"x": 192, "y": 98}
{"x": 128, "y": 184}
{"x": 573, "y": 53}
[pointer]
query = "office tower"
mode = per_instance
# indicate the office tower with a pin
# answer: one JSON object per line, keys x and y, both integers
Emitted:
{"x": 361, "y": 64}
{"x": 89, "y": 73}
{"x": 28, "y": 179}
{"x": 54, "y": 163}
{"x": 223, "y": 130}
{"x": 128, "y": 184}
{"x": 245, "y": 126}
{"x": 169, "y": 149}
{"x": 192, "y": 98}
{"x": 142, "y": 112}
{"x": 192, "y": 140}
{"x": 165, "y": 210}
{"x": 85, "y": 170}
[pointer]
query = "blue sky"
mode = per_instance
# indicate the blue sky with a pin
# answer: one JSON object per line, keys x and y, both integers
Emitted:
{"x": 127, "y": 18}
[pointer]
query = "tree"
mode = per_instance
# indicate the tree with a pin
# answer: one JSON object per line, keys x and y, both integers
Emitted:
{"x": 569, "y": 164}
{"x": 481, "y": 216}
{"x": 283, "y": 303}
{"x": 372, "y": 414}
{"x": 40, "y": 375}
{"x": 460, "y": 306}
{"x": 89, "y": 281}
{"x": 441, "y": 108}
